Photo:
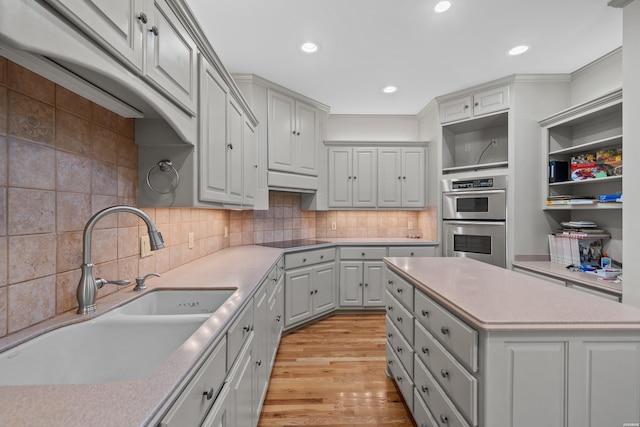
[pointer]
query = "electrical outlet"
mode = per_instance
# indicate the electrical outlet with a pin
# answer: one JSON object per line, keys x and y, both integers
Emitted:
{"x": 467, "y": 147}
{"x": 192, "y": 240}
{"x": 226, "y": 231}
{"x": 145, "y": 247}
{"x": 410, "y": 225}
{"x": 334, "y": 226}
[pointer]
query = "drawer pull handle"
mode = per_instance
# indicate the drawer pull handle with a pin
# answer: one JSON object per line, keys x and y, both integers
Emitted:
{"x": 208, "y": 393}
{"x": 399, "y": 319}
{"x": 425, "y": 313}
{"x": 399, "y": 349}
{"x": 399, "y": 290}
{"x": 154, "y": 30}
{"x": 425, "y": 350}
{"x": 445, "y": 331}
{"x": 390, "y": 335}
{"x": 444, "y": 373}
{"x": 399, "y": 379}
{"x": 362, "y": 253}
{"x": 246, "y": 328}
{"x": 424, "y": 389}
{"x": 389, "y": 308}
{"x": 444, "y": 419}
{"x": 143, "y": 18}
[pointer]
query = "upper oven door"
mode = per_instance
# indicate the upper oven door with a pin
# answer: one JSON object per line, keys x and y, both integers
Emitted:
{"x": 479, "y": 204}
{"x": 481, "y": 240}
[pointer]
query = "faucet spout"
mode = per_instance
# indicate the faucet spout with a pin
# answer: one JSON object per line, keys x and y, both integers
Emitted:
{"x": 88, "y": 285}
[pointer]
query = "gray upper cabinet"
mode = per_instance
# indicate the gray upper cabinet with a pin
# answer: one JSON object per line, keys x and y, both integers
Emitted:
{"x": 401, "y": 177}
{"x": 292, "y": 135}
{"x": 477, "y": 104}
{"x": 352, "y": 177}
{"x": 117, "y": 24}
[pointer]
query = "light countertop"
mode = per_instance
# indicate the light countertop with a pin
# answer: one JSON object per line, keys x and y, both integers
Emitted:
{"x": 491, "y": 298}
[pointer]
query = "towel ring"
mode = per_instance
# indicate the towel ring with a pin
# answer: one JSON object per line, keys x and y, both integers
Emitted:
{"x": 163, "y": 166}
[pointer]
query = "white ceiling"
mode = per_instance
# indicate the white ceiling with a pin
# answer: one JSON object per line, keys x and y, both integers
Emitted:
{"x": 369, "y": 44}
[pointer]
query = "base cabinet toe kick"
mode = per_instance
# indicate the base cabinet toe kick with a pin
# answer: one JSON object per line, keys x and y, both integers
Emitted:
{"x": 451, "y": 372}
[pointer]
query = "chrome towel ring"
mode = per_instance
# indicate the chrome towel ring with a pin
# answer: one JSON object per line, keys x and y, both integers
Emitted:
{"x": 163, "y": 166}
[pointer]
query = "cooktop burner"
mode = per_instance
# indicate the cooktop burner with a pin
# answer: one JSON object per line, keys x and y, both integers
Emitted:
{"x": 285, "y": 244}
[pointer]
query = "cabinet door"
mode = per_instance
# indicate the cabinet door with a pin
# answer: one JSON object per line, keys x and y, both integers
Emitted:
{"x": 213, "y": 134}
{"x": 281, "y": 132}
{"x": 340, "y": 177}
{"x": 389, "y": 177}
{"x": 260, "y": 348}
{"x": 276, "y": 320}
{"x": 373, "y": 278}
{"x": 242, "y": 381}
{"x": 491, "y": 100}
{"x": 113, "y": 23}
{"x": 250, "y": 166}
{"x": 456, "y": 109}
{"x": 324, "y": 282}
{"x": 413, "y": 177}
{"x": 365, "y": 171}
{"x": 351, "y": 283}
{"x": 298, "y": 295}
{"x": 219, "y": 414}
{"x": 234, "y": 151}
{"x": 171, "y": 56}
{"x": 306, "y": 152}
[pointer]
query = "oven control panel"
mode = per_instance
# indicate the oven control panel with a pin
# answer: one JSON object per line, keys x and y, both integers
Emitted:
{"x": 486, "y": 183}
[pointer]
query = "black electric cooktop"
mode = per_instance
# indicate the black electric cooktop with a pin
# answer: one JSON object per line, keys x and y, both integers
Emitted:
{"x": 285, "y": 244}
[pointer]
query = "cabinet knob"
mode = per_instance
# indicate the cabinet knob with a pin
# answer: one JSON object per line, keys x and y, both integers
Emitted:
{"x": 390, "y": 335}
{"x": 476, "y": 104}
{"x": 444, "y": 419}
{"x": 399, "y": 177}
{"x": 278, "y": 317}
{"x": 294, "y": 132}
{"x": 404, "y": 177}
{"x": 208, "y": 393}
{"x": 444, "y": 330}
{"x": 360, "y": 284}
{"x": 466, "y": 107}
{"x": 399, "y": 379}
{"x": 230, "y": 146}
{"x": 425, "y": 313}
{"x": 389, "y": 308}
{"x": 399, "y": 349}
{"x": 304, "y": 260}
{"x": 425, "y": 350}
{"x": 259, "y": 363}
{"x": 321, "y": 256}
{"x": 297, "y": 133}
{"x": 348, "y": 177}
{"x": 391, "y": 282}
{"x": 246, "y": 328}
{"x": 143, "y": 18}
{"x": 315, "y": 292}
{"x": 399, "y": 290}
{"x": 354, "y": 178}
{"x": 411, "y": 253}
{"x": 444, "y": 373}
{"x": 390, "y": 362}
{"x": 424, "y": 389}
{"x": 154, "y": 30}
{"x": 362, "y": 253}
{"x": 399, "y": 319}
{"x": 366, "y": 284}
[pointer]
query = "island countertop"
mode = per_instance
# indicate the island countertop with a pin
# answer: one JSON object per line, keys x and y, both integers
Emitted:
{"x": 491, "y": 298}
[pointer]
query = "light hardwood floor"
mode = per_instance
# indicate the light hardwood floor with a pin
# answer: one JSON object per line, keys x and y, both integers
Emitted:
{"x": 332, "y": 373}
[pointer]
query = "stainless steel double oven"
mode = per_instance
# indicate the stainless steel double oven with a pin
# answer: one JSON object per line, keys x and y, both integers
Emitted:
{"x": 474, "y": 217}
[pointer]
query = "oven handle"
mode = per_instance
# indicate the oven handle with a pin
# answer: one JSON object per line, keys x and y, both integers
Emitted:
{"x": 456, "y": 222}
{"x": 472, "y": 193}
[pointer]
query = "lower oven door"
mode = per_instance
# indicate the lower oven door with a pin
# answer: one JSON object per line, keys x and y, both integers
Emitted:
{"x": 482, "y": 240}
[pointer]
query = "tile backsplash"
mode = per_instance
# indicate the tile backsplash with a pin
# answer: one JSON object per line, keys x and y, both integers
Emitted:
{"x": 64, "y": 158}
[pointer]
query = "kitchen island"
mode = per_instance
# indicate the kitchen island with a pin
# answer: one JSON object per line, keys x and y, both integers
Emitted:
{"x": 471, "y": 344}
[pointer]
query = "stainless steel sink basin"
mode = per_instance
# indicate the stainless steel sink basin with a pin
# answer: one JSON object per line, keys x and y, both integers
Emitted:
{"x": 177, "y": 302}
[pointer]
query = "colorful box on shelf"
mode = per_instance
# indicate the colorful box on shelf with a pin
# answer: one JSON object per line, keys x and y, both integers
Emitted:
{"x": 610, "y": 198}
{"x": 609, "y": 162}
{"x": 583, "y": 166}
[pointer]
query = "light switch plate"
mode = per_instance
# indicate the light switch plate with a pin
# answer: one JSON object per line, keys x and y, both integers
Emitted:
{"x": 410, "y": 225}
{"x": 192, "y": 240}
{"x": 226, "y": 231}
{"x": 145, "y": 247}
{"x": 333, "y": 225}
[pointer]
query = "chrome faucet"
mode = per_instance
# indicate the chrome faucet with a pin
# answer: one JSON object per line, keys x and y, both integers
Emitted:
{"x": 88, "y": 286}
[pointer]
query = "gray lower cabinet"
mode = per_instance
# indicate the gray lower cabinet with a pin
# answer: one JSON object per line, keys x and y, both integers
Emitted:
{"x": 242, "y": 381}
{"x": 361, "y": 283}
{"x": 310, "y": 285}
{"x": 529, "y": 377}
{"x": 219, "y": 414}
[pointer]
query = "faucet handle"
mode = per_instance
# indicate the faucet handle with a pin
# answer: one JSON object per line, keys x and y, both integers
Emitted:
{"x": 140, "y": 285}
{"x": 101, "y": 282}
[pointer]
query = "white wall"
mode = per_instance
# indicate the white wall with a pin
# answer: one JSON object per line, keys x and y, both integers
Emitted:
{"x": 343, "y": 127}
{"x": 631, "y": 153}
{"x": 596, "y": 78}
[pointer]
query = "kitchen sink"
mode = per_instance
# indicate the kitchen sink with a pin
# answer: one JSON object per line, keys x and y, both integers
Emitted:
{"x": 177, "y": 302}
{"x": 127, "y": 343}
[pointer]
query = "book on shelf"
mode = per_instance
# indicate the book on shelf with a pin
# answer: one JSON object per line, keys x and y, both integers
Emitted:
{"x": 552, "y": 202}
{"x": 575, "y": 251}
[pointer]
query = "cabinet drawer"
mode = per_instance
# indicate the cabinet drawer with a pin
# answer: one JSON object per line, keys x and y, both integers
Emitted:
{"x": 421, "y": 413}
{"x": 239, "y": 331}
{"x": 400, "y": 288}
{"x": 408, "y": 251}
{"x": 363, "y": 253}
{"x": 198, "y": 397}
{"x": 461, "y": 386}
{"x": 302, "y": 259}
{"x": 400, "y": 376}
{"x": 400, "y": 316}
{"x": 403, "y": 350}
{"x": 455, "y": 335}
{"x": 441, "y": 407}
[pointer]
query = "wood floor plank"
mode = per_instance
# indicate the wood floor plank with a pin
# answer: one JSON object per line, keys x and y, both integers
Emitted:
{"x": 332, "y": 373}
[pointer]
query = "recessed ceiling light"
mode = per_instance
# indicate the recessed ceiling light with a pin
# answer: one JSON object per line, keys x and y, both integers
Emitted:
{"x": 309, "y": 47}
{"x": 390, "y": 89}
{"x": 518, "y": 50}
{"x": 442, "y": 6}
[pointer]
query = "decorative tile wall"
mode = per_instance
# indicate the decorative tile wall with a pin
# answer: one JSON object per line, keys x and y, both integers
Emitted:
{"x": 64, "y": 158}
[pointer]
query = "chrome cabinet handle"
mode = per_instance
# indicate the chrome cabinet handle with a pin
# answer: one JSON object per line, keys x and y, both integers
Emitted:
{"x": 444, "y": 330}
{"x": 425, "y": 313}
{"x": 154, "y": 30}
{"x": 208, "y": 393}
{"x": 425, "y": 350}
{"x": 444, "y": 373}
{"x": 143, "y": 18}
{"x": 230, "y": 146}
{"x": 424, "y": 389}
{"x": 444, "y": 419}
